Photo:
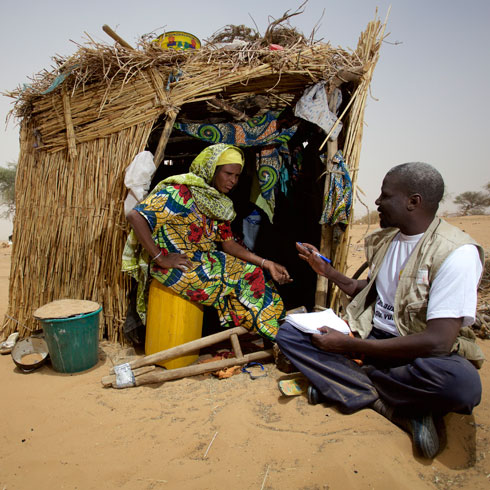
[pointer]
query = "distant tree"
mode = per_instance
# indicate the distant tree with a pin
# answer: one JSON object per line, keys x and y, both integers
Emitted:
{"x": 470, "y": 202}
{"x": 7, "y": 188}
{"x": 368, "y": 219}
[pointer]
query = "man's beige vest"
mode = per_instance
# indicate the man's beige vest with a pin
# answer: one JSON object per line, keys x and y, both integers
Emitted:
{"x": 412, "y": 294}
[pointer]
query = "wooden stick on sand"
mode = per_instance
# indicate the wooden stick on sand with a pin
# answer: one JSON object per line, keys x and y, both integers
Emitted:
{"x": 180, "y": 350}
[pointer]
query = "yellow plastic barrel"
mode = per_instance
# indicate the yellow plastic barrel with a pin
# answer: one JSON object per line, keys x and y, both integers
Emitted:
{"x": 171, "y": 320}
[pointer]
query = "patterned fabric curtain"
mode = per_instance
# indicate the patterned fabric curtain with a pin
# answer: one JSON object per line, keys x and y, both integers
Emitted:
{"x": 272, "y": 160}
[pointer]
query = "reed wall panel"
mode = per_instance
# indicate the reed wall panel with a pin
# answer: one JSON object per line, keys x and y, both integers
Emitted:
{"x": 70, "y": 229}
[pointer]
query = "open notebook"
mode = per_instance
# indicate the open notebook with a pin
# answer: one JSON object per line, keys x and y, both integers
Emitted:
{"x": 311, "y": 322}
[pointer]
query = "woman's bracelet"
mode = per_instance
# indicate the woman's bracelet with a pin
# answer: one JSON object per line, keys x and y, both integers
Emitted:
{"x": 262, "y": 264}
{"x": 157, "y": 255}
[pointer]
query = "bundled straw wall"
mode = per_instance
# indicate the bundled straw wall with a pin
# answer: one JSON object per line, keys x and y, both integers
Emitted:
{"x": 77, "y": 139}
{"x": 70, "y": 229}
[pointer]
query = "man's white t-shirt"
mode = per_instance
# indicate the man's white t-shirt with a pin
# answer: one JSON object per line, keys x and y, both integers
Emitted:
{"x": 453, "y": 293}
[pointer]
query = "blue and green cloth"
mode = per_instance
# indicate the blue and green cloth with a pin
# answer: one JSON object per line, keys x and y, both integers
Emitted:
{"x": 272, "y": 160}
{"x": 338, "y": 203}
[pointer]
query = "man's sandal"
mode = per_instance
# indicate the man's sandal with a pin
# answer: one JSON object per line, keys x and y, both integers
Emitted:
{"x": 293, "y": 387}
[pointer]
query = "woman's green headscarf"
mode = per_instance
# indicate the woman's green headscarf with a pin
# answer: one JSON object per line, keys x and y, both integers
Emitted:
{"x": 210, "y": 201}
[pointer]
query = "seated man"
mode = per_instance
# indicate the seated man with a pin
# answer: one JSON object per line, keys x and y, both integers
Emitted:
{"x": 408, "y": 317}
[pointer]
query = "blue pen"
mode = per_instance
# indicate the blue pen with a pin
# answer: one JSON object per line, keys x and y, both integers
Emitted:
{"x": 328, "y": 261}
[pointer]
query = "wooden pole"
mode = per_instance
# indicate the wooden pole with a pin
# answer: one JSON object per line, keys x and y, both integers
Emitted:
{"x": 221, "y": 104}
{"x": 207, "y": 367}
{"x": 156, "y": 79}
{"x": 70, "y": 130}
{"x": 167, "y": 130}
{"x": 326, "y": 240}
{"x": 157, "y": 82}
{"x": 116, "y": 37}
{"x": 337, "y": 122}
{"x": 180, "y": 350}
{"x": 236, "y": 345}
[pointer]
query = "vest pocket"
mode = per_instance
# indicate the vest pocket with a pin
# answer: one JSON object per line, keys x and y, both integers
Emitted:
{"x": 415, "y": 317}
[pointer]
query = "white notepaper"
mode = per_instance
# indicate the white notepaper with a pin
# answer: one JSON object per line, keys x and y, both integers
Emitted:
{"x": 311, "y": 322}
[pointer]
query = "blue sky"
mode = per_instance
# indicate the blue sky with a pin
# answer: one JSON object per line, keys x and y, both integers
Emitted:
{"x": 429, "y": 97}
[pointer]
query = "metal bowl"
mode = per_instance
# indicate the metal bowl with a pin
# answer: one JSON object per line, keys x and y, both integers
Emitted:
{"x": 30, "y": 353}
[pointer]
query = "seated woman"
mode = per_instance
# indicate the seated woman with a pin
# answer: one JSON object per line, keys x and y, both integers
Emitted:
{"x": 178, "y": 225}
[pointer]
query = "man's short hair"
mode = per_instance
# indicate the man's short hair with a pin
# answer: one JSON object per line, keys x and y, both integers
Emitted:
{"x": 421, "y": 178}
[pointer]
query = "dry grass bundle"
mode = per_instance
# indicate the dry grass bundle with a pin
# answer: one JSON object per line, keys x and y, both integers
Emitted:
{"x": 278, "y": 32}
{"x": 229, "y": 33}
{"x": 285, "y": 37}
{"x": 281, "y": 32}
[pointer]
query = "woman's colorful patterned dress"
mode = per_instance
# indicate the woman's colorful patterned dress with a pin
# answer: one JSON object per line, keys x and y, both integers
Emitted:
{"x": 237, "y": 289}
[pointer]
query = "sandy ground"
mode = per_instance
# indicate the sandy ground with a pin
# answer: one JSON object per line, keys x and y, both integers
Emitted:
{"x": 67, "y": 431}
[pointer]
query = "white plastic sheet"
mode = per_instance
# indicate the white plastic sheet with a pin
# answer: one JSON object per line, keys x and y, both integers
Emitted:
{"x": 313, "y": 107}
{"x": 138, "y": 178}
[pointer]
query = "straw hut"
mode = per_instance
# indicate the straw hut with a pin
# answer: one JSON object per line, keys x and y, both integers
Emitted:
{"x": 83, "y": 123}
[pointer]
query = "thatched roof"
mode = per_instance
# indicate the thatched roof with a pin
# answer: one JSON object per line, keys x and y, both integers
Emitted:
{"x": 301, "y": 63}
{"x": 104, "y": 80}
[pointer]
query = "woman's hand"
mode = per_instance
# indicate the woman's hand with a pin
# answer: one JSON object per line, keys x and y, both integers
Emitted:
{"x": 309, "y": 253}
{"x": 278, "y": 272}
{"x": 174, "y": 261}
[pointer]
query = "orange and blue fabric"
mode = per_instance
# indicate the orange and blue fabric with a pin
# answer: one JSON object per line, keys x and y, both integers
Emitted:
{"x": 264, "y": 132}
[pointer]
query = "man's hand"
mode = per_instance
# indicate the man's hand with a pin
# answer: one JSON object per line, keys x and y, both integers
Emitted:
{"x": 308, "y": 253}
{"x": 331, "y": 340}
{"x": 436, "y": 340}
